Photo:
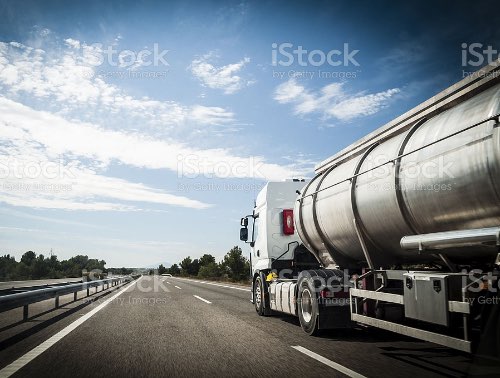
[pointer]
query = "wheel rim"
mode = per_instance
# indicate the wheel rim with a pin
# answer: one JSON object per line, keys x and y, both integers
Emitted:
{"x": 306, "y": 305}
{"x": 258, "y": 294}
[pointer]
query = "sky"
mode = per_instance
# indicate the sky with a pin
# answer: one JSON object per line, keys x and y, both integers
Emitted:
{"x": 140, "y": 132}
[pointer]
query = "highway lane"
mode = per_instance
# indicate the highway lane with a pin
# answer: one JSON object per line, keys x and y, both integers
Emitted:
{"x": 367, "y": 351}
{"x": 160, "y": 328}
{"x": 17, "y": 336}
{"x": 171, "y": 332}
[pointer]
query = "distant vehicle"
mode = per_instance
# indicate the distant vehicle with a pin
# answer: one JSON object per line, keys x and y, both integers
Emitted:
{"x": 379, "y": 238}
{"x": 166, "y": 275}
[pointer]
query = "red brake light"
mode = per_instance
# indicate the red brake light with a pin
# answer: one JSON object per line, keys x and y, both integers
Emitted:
{"x": 288, "y": 226}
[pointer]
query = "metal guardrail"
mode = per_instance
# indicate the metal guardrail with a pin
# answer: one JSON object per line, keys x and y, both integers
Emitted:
{"x": 24, "y": 299}
{"x": 23, "y": 289}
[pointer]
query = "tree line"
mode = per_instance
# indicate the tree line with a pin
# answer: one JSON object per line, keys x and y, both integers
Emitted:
{"x": 234, "y": 267}
{"x": 35, "y": 267}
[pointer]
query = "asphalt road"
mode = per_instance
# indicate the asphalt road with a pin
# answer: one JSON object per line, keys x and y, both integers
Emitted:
{"x": 163, "y": 326}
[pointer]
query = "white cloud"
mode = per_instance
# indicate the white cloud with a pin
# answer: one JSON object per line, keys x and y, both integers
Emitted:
{"x": 72, "y": 43}
{"x": 332, "y": 101}
{"x": 225, "y": 77}
{"x": 59, "y": 136}
{"x": 36, "y": 173}
{"x": 30, "y": 137}
{"x": 89, "y": 126}
{"x": 71, "y": 80}
{"x": 210, "y": 115}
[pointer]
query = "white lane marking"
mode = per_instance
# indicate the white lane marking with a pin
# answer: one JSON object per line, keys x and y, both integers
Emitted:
{"x": 180, "y": 288}
{"x": 168, "y": 282}
{"x": 202, "y": 299}
{"x": 214, "y": 284}
{"x": 35, "y": 352}
{"x": 326, "y": 361}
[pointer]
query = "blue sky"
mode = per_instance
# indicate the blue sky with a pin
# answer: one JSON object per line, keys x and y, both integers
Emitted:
{"x": 140, "y": 132}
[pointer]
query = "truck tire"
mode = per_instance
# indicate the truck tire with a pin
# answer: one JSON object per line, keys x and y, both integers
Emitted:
{"x": 259, "y": 295}
{"x": 489, "y": 341}
{"x": 308, "y": 307}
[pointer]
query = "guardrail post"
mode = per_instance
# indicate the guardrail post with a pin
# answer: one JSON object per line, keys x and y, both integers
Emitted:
{"x": 88, "y": 291}
{"x": 25, "y": 312}
{"x": 57, "y": 301}
{"x": 75, "y": 296}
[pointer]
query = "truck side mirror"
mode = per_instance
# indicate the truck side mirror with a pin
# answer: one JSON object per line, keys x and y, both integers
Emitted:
{"x": 244, "y": 234}
{"x": 244, "y": 222}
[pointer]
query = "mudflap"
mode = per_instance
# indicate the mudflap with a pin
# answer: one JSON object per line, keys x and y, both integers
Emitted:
{"x": 334, "y": 317}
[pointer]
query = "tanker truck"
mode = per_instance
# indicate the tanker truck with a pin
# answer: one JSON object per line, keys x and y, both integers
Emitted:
{"x": 399, "y": 231}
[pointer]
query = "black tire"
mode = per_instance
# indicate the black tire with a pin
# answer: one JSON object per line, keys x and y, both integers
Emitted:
{"x": 308, "y": 307}
{"x": 258, "y": 296}
{"x": 489, "y": 341}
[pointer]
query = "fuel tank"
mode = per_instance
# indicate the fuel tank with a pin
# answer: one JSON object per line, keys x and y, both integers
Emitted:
{"x": 442, "y": 173}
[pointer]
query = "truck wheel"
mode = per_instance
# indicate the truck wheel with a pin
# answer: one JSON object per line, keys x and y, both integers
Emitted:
{"x": 308, "y": 307}
{"x": 258, "y": 294}
{"x": 488, "y": 343}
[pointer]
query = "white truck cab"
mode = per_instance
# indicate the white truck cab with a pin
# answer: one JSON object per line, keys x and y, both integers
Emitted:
{"x": 281, "y": 263}
{"x": 272, "y": 228}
